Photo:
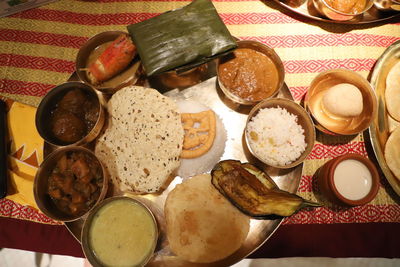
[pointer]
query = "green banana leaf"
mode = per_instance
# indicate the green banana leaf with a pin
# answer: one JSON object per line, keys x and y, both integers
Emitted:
{"x": 182, "y": 38}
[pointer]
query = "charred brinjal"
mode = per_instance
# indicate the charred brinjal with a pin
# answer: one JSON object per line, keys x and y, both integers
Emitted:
{"x": 254, "y": 192}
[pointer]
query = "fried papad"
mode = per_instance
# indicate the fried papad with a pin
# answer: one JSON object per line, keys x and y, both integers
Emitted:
{"x": 141, "y": 146}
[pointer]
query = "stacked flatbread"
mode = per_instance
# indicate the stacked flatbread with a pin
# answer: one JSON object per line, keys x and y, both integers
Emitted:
{"x": 143, "y": 139}
{"x": 202, "y": 225}
{"x": 392, "y": 99}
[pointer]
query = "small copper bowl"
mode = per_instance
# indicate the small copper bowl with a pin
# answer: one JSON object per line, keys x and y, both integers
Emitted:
{"x": 48, "y": 104}
{"x": 340, "y": 126}
{"x": 180, "y": 80}
{"x": 90, "y": 51}
{"x": 328, "y": 11}
{"x": 303, "y": 119}
{"x": 259, "y": 47}
{"x": 86, "y": 240}
{"x": 40, "y": 186}
{"x": 327, "y": 186}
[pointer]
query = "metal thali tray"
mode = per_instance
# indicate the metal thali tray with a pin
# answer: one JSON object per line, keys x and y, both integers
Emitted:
{"x": 383, "y": 124}
{"x": 209, "y": 94}
{"x": 307, "y": 9}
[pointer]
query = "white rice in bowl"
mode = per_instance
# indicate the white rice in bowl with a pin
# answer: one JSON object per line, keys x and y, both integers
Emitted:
{"x": 275, "y": 136}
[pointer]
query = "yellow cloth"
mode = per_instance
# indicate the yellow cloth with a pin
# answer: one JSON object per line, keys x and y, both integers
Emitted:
{"x": 25, "y": 154}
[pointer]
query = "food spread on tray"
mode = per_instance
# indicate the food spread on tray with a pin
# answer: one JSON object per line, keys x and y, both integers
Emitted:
{"x": 249, "y": 74}
{"x": 150, "y": 139}
{"x": 75, "y": 183}
{"x": 74, "y": 116}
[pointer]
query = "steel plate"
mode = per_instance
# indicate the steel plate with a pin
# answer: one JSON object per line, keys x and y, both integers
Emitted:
{"x": 307, "y": 9}
{"x": 234, "y": 118}
{"x": 383, "y": 124}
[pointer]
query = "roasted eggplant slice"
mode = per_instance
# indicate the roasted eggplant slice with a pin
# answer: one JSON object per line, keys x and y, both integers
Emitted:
{"x": 254, "y": 192}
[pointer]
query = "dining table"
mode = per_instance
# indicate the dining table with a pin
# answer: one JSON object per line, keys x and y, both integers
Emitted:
{"x": 38, "y": 48}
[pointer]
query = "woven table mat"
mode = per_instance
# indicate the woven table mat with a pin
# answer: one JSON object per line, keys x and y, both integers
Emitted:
{"x": 38, "y": 49}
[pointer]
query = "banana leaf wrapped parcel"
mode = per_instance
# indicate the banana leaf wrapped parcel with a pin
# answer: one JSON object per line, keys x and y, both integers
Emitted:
{"x": 182, "y": 38}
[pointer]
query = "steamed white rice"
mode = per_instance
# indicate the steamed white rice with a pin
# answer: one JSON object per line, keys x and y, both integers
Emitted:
{"x": 275, "y": 136}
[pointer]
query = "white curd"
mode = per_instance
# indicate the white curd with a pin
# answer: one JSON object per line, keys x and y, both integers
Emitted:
{"x": 352, "y": 179}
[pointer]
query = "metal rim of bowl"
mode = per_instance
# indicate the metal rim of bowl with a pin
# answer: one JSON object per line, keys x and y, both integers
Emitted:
{"x": 277, "y": 62}
{"x": 47, "y": 103}
{"x": 44, "y": 171}
{"x": 369, "y": 4}
{"x": 283, "y": 104}
{"x": 88, "y": 221}
{"x": 371, "y": 91}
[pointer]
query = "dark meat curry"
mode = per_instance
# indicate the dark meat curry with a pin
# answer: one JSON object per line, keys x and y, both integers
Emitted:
{"x": 75, "y": 183}
{"x": 74, "y": 116}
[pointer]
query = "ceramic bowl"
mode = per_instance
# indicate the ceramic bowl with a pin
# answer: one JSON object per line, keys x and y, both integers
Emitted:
{"x": 328, "y": 188}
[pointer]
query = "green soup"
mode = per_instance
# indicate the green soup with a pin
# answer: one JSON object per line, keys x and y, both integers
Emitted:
{"x": 122, "y": 233}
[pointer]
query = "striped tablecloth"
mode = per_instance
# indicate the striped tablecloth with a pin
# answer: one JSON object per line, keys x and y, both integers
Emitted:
{"x": 38, "y": 49}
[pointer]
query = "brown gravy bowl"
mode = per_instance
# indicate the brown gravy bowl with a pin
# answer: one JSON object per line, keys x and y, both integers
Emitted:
{"x": 252, "y": 67}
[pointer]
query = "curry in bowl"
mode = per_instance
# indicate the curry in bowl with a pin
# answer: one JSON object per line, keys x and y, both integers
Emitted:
{"x": 69, "y": 183}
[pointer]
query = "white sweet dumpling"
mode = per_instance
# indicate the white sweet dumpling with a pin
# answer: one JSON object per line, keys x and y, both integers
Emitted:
{"x": 343, "y": 100}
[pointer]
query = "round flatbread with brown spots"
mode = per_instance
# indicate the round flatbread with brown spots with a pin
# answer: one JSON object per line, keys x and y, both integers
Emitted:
{"x": 203, "y": 226}
{"x": 392, "y": 92}
{"x": 141, "y": 145}
{"x": 392, "y": 152}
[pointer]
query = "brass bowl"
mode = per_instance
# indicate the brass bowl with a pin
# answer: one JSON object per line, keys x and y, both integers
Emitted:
{"x": 40, "y": 186}
{"x": 86, "y": 246}
{"x": 303, "y": 119}
{"x": 48, "y": 104}
{"x": 344, "y": 126}
{"x": 259, "y": 47}
{"x": 326, "y": 10}
{"x": 90, "y": 51}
